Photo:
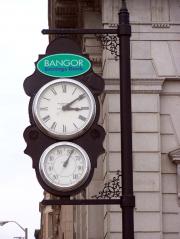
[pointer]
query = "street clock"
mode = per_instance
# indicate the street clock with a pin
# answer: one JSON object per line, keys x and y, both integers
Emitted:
{"x": 64, "y": 139}
{"x": 64, "y": 109}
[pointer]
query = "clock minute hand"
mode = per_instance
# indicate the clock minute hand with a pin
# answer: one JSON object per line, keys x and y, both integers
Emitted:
{"x": 66, "y": 107}
{"x": 67, "y": 160}
{"x": 77, "y": 109}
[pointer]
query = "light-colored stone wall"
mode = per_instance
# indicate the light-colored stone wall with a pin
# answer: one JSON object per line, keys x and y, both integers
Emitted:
{"x": 155, "y": 72}
{"x": 170, "y": 135}
{"x": 146, "y": 159}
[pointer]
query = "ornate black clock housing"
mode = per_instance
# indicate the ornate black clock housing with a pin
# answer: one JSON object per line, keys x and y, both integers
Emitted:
{"x": 38, "y": 139}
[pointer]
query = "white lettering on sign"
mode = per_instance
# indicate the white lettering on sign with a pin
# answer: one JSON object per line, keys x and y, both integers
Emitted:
{"x": 65, "y": 63}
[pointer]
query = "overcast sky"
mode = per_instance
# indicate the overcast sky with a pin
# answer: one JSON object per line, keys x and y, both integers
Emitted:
{"x": 21, "y": 22}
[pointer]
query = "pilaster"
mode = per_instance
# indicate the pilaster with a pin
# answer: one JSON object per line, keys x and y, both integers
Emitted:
{"x": 146, "y": 155}
{"x": 170, "y": 141}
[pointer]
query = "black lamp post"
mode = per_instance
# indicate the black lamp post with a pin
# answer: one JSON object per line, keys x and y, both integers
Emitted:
{"x": 128, "y": 199}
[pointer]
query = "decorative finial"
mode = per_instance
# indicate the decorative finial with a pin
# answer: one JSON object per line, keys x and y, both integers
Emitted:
{"x": 124, "y": 7}
{"x": 123, "y": 13}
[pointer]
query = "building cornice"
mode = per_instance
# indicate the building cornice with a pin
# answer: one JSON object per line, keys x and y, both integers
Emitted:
{"x": 153, "y": 86}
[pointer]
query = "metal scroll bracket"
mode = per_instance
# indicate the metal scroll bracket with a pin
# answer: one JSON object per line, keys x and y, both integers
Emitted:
{"x": 110, "y": 43}
{"x": 112, "y": 189}
{"x": 110, "y": 194}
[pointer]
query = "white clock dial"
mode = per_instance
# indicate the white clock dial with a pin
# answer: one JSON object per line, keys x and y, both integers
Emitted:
{"x": 64, "y": 108}
{"x": 64, "y": 166}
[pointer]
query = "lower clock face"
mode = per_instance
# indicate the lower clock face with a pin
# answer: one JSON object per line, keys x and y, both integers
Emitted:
{"x": 64, "y": 166}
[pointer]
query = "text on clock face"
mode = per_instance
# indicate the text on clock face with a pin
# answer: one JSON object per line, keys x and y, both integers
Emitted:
{"x": 64, "y": 166}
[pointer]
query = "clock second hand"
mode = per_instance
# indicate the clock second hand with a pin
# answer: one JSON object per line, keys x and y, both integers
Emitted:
{"x": 67, "y": 160}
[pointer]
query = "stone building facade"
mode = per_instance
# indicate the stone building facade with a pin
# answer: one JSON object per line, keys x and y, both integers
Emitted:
{"x": 155, "y": 73}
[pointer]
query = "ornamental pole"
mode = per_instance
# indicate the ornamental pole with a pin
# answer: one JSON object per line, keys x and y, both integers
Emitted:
{"x": 127, "y": 205}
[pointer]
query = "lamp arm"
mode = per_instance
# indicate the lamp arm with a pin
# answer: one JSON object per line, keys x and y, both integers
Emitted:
{"x": 18, "y": 225}
{"x": 25, "y": 230}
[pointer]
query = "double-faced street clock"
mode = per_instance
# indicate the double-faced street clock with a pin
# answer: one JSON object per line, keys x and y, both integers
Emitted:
{"x": 64, "y": 139}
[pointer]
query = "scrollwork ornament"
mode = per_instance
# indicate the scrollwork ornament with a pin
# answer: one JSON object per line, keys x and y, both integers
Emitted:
{"x": 112, "y": 189}
{"x": 110, "y": 43}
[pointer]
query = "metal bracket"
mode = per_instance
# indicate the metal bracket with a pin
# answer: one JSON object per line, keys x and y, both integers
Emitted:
{"x": 111, "y": 194}
{"x": 110, "y": 43}
{"x": 108, "y": 37}
{"x": 112, "y": 189}
{"x": 82, "y": 202}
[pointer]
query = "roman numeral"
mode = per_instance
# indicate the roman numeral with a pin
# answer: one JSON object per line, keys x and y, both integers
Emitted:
{"x": 53, "y": 126}
{"x": 75, "y": 176}
{"x": 80, "y": 167}
{"x": 44, "y": 108}
{"x": 50, "y": 168}
{"x": 45, "y": 98}
{"x": 64, "y": 128}
{"x": 74, "y": 91}
{"x": 53, "y": 91}
{"x": 59, "y": 151}
{"x": 84, "y": 108}
{"x": 55, "y": 176}
{"x": 75, "y": 125}
{"x": 81, "y": 117}
{"x": 46, "y": 118}
{"x": 51, "y": 158}
{"x": 64, "y": 88}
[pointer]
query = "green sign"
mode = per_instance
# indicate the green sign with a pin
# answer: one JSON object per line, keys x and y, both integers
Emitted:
{"x": 63, "y": 65}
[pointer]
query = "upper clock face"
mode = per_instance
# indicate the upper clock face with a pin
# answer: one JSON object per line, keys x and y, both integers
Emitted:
{"x": 64, "y": 166}
{"x": 64, "y": 108}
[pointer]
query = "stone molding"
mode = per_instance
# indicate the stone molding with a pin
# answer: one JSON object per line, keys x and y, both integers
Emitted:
{"x": 174, "y": 156}
{"x": 153, "y": 24}
{"x": 160, "y": 25}
{"x": 153, "y": 86}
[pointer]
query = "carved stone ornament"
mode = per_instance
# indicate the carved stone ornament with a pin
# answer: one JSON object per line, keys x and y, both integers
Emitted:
{"x": 175, "y": 158}
{"x": 160, "y": 25}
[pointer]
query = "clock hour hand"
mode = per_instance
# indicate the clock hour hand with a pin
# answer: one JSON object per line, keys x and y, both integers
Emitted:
{"x": 67, "y": 160}
{"x": 67, "y": 106}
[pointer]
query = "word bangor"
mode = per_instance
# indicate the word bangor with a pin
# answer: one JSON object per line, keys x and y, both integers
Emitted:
{"x": 65, "y": 63}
